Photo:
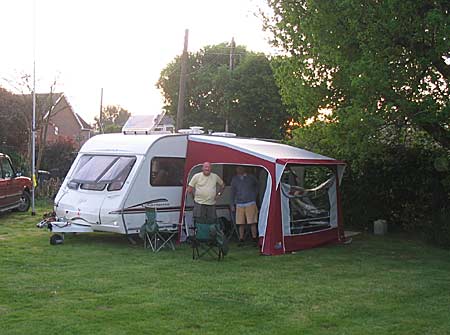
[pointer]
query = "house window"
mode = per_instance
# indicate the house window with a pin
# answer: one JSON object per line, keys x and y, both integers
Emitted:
{"x": 167, "y": 171}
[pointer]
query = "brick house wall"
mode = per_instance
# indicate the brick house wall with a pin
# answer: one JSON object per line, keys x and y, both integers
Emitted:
{"x": 66, "y": 124}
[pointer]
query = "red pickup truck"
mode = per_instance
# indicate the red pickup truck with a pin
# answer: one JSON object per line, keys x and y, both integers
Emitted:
{"x": 14, "y": 189}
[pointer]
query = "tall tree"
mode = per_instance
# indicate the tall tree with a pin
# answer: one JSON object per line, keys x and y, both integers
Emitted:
{"x": 375, "y": 63}
{"x": 13, "y": 128}
{"x": 113, "y": 119}
{"x": 247, "y": 96}
{"x": 17, "y": 114}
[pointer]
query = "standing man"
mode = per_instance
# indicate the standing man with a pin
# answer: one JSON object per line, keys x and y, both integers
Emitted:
{"x": 244, "y": 190}
{"x": 206, "y": 187}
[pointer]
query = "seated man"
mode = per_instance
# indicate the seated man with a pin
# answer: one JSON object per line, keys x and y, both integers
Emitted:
{"x": 161, "y": 178}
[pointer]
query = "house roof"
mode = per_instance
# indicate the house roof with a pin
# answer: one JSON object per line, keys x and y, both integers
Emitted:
{"x": 84, "y": 124}
{"x": 56, "y": 97}
{"x": 45, "y": 97}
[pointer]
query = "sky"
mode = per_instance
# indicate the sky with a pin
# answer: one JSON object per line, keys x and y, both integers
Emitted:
{"x": 120, "y": 46}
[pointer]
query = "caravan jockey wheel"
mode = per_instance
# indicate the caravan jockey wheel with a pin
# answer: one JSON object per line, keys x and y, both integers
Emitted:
{"x": 56, "y": 239}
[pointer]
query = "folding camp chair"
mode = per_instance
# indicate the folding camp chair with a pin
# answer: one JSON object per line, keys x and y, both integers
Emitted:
{"x": 157, "y": 235}
{"x": 210, "y": 238}
{"x": 232, "y": 228}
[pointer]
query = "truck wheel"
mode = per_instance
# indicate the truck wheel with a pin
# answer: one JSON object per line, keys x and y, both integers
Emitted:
{"x": 56, "y": 239}
{"x": 25, "y": 201}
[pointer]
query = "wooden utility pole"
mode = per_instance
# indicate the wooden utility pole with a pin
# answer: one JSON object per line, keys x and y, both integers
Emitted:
{"x": 182, "y": 88}
{"x": 100, "y": 120}
{"x": 233, "y": 46}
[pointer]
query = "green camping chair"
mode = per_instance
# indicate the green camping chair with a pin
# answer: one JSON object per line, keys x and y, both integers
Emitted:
{"x": 157, "y": 235}
{"x": 208, "y": 236}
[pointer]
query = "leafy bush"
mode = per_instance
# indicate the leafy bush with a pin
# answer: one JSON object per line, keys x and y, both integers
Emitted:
{"x": 47, "y": 189}
{"x": 58, "y": 157}
{"x": 399, "y": 186}
{"x": 393, "y": 175}
{"x": 439, "y": 230}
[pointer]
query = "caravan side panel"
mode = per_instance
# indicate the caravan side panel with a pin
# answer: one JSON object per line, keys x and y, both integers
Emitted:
{"x": 166, "y": 158}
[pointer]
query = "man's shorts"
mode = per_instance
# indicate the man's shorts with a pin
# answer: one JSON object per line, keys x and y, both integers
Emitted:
{"x": 248, "y": 214}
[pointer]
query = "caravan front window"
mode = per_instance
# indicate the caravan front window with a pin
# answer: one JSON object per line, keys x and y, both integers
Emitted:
{"x": 91, "y": 168}
{"x": 95, "y": 172}
{"x": 118, "y": 173}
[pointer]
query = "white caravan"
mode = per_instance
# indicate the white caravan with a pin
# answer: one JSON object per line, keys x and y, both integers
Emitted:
{"x": 114, "y": 176}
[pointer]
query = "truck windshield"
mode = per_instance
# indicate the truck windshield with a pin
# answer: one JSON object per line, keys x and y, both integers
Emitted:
{"x": 95, "y": 172}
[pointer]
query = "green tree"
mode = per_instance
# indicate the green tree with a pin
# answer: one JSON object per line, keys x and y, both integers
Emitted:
{"x": 16, "y": 113}
{"x": 58, "y": 157}
{"x": 377, "y": 63}
{"x": 113, "y": 119}
{"x": 380, "y": 67}
{"x": 247, "y": 96}
{"x": 13, "y": 128}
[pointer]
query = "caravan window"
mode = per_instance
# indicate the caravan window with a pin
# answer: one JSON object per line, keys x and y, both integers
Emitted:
{"x": 118, "y": 173}
{"x": 167, "y": 171}
{"x": 95, "y": 172}
{"x": 91, "y": 168}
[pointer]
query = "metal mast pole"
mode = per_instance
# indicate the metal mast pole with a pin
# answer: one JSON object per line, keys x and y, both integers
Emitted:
{"x": 182, "y": 89}
{"x": 33, "y": 124}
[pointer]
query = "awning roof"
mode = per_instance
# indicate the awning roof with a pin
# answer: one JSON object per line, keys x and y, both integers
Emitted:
{"x": 270, "y": 151}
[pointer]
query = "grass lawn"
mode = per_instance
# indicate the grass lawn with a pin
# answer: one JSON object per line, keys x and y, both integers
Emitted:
{"x": 101, "y": 284}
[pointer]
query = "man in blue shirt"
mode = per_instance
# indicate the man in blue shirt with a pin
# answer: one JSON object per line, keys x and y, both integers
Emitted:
{"x": 244, "y": 190}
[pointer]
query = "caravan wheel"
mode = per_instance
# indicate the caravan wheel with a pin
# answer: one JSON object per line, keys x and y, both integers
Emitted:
{"x": 56, "y": 239}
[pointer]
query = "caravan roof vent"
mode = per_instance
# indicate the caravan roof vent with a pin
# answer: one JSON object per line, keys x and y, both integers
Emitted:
{"x": 191, "y": 130}
{"x": 224, "y": 134}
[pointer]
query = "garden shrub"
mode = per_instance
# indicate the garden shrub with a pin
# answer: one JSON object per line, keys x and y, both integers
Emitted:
{"x": 439, "y": 229}
{"x": 402, "y": 179}
{"x": 58, "y": 157}
{"x": 47, "y": 189}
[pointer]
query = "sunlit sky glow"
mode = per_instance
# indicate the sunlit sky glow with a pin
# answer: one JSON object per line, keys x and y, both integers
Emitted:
{"x": 119, "y": 45}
